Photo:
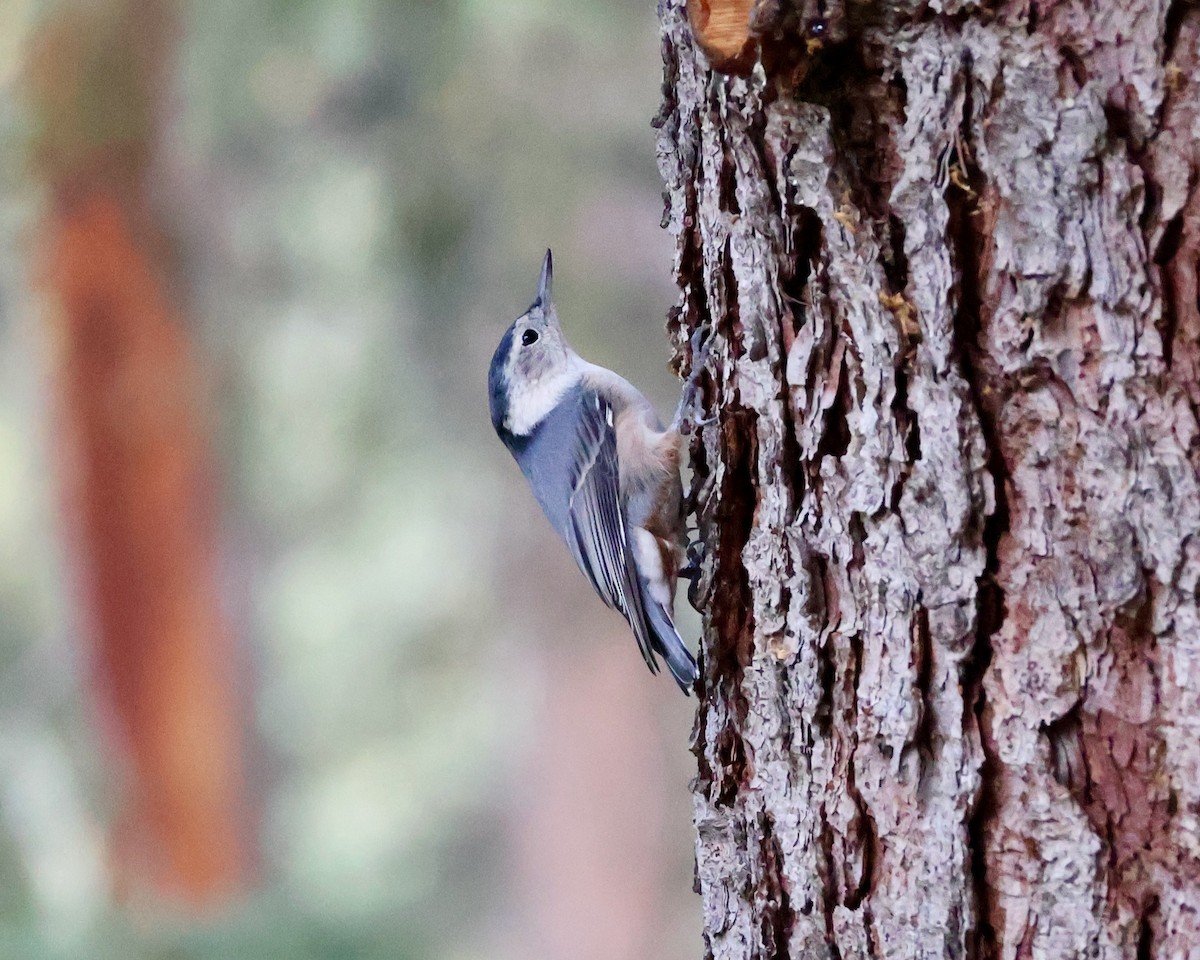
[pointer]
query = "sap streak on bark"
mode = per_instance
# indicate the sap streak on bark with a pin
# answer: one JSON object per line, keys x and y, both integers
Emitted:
{"x": 950, "y": 495}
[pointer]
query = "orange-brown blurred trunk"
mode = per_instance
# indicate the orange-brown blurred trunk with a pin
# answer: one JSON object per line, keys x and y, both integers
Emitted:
{"x": 137, "y": 484}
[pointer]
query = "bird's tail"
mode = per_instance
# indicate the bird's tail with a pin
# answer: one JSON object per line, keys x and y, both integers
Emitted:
{"x": 670, "y": 646}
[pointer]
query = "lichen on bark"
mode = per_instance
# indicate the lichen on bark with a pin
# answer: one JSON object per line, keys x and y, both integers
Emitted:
{"x": 944, "y": 266}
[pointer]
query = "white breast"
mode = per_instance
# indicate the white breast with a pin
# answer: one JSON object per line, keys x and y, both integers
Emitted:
{"x": 529, "y": 401}
{"x": 647, "y": 555}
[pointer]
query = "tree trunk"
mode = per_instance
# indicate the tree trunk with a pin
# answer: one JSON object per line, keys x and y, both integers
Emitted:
{"x": 944, "y": 260}
{"x": 137, "y": 480}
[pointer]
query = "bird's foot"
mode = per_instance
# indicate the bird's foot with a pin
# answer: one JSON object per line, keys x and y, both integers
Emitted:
{"x": 688, "y": 425}
{"x": 692, "y": 571}
{"x": 701, "y": 347}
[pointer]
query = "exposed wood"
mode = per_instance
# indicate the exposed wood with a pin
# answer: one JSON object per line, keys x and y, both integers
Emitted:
{"x": 946, "y": 263}
{"x": 722, "y": 28}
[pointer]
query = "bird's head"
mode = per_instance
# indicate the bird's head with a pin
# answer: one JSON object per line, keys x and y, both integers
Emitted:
{"x": 533, "y": 366}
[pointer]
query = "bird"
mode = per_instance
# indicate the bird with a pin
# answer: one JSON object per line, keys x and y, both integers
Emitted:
{"x": 603, "y": 469}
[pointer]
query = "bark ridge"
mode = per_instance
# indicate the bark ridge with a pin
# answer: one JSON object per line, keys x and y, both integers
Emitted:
{"x": 946, "y": 260}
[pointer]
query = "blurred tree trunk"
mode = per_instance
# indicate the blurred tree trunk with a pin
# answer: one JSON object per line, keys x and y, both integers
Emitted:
{"x": 136, "y": 482}
{"x": 592, "y": 853}
{"x": 946, "y": 257}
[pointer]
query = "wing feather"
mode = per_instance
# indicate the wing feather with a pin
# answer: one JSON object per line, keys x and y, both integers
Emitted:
{"x": 597, "y": 535}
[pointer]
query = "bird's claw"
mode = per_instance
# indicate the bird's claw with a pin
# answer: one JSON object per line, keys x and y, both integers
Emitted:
{"x": 688, "y": 424}
{"x": 695, "y": 556}
{"x": 701, "y": 346}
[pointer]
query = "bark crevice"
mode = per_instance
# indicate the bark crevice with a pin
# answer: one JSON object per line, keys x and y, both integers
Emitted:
{"x": 929, "y": 246}
{"x": 964, "y": 196}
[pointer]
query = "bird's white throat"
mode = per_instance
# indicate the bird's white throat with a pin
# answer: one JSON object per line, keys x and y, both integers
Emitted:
{"x": 530, "y": 401}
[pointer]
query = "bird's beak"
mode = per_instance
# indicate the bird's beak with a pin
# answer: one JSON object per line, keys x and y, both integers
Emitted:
{"x": 545, "y": 281}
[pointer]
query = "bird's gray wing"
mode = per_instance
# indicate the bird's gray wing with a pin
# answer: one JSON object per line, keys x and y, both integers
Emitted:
{"x": 596, "y": 531}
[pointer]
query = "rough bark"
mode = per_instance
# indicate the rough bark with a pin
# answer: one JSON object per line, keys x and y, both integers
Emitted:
{"x": 944, "y": 261}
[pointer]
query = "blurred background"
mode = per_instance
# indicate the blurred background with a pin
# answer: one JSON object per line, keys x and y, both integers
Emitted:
{"x": 290, "y": 663}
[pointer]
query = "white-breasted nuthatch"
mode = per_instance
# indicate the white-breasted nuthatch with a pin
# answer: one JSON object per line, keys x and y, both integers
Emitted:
{"x": 604, "y": 470}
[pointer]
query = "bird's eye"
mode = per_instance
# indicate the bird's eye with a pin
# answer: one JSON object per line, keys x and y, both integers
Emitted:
{"x": 528, "y": 337}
